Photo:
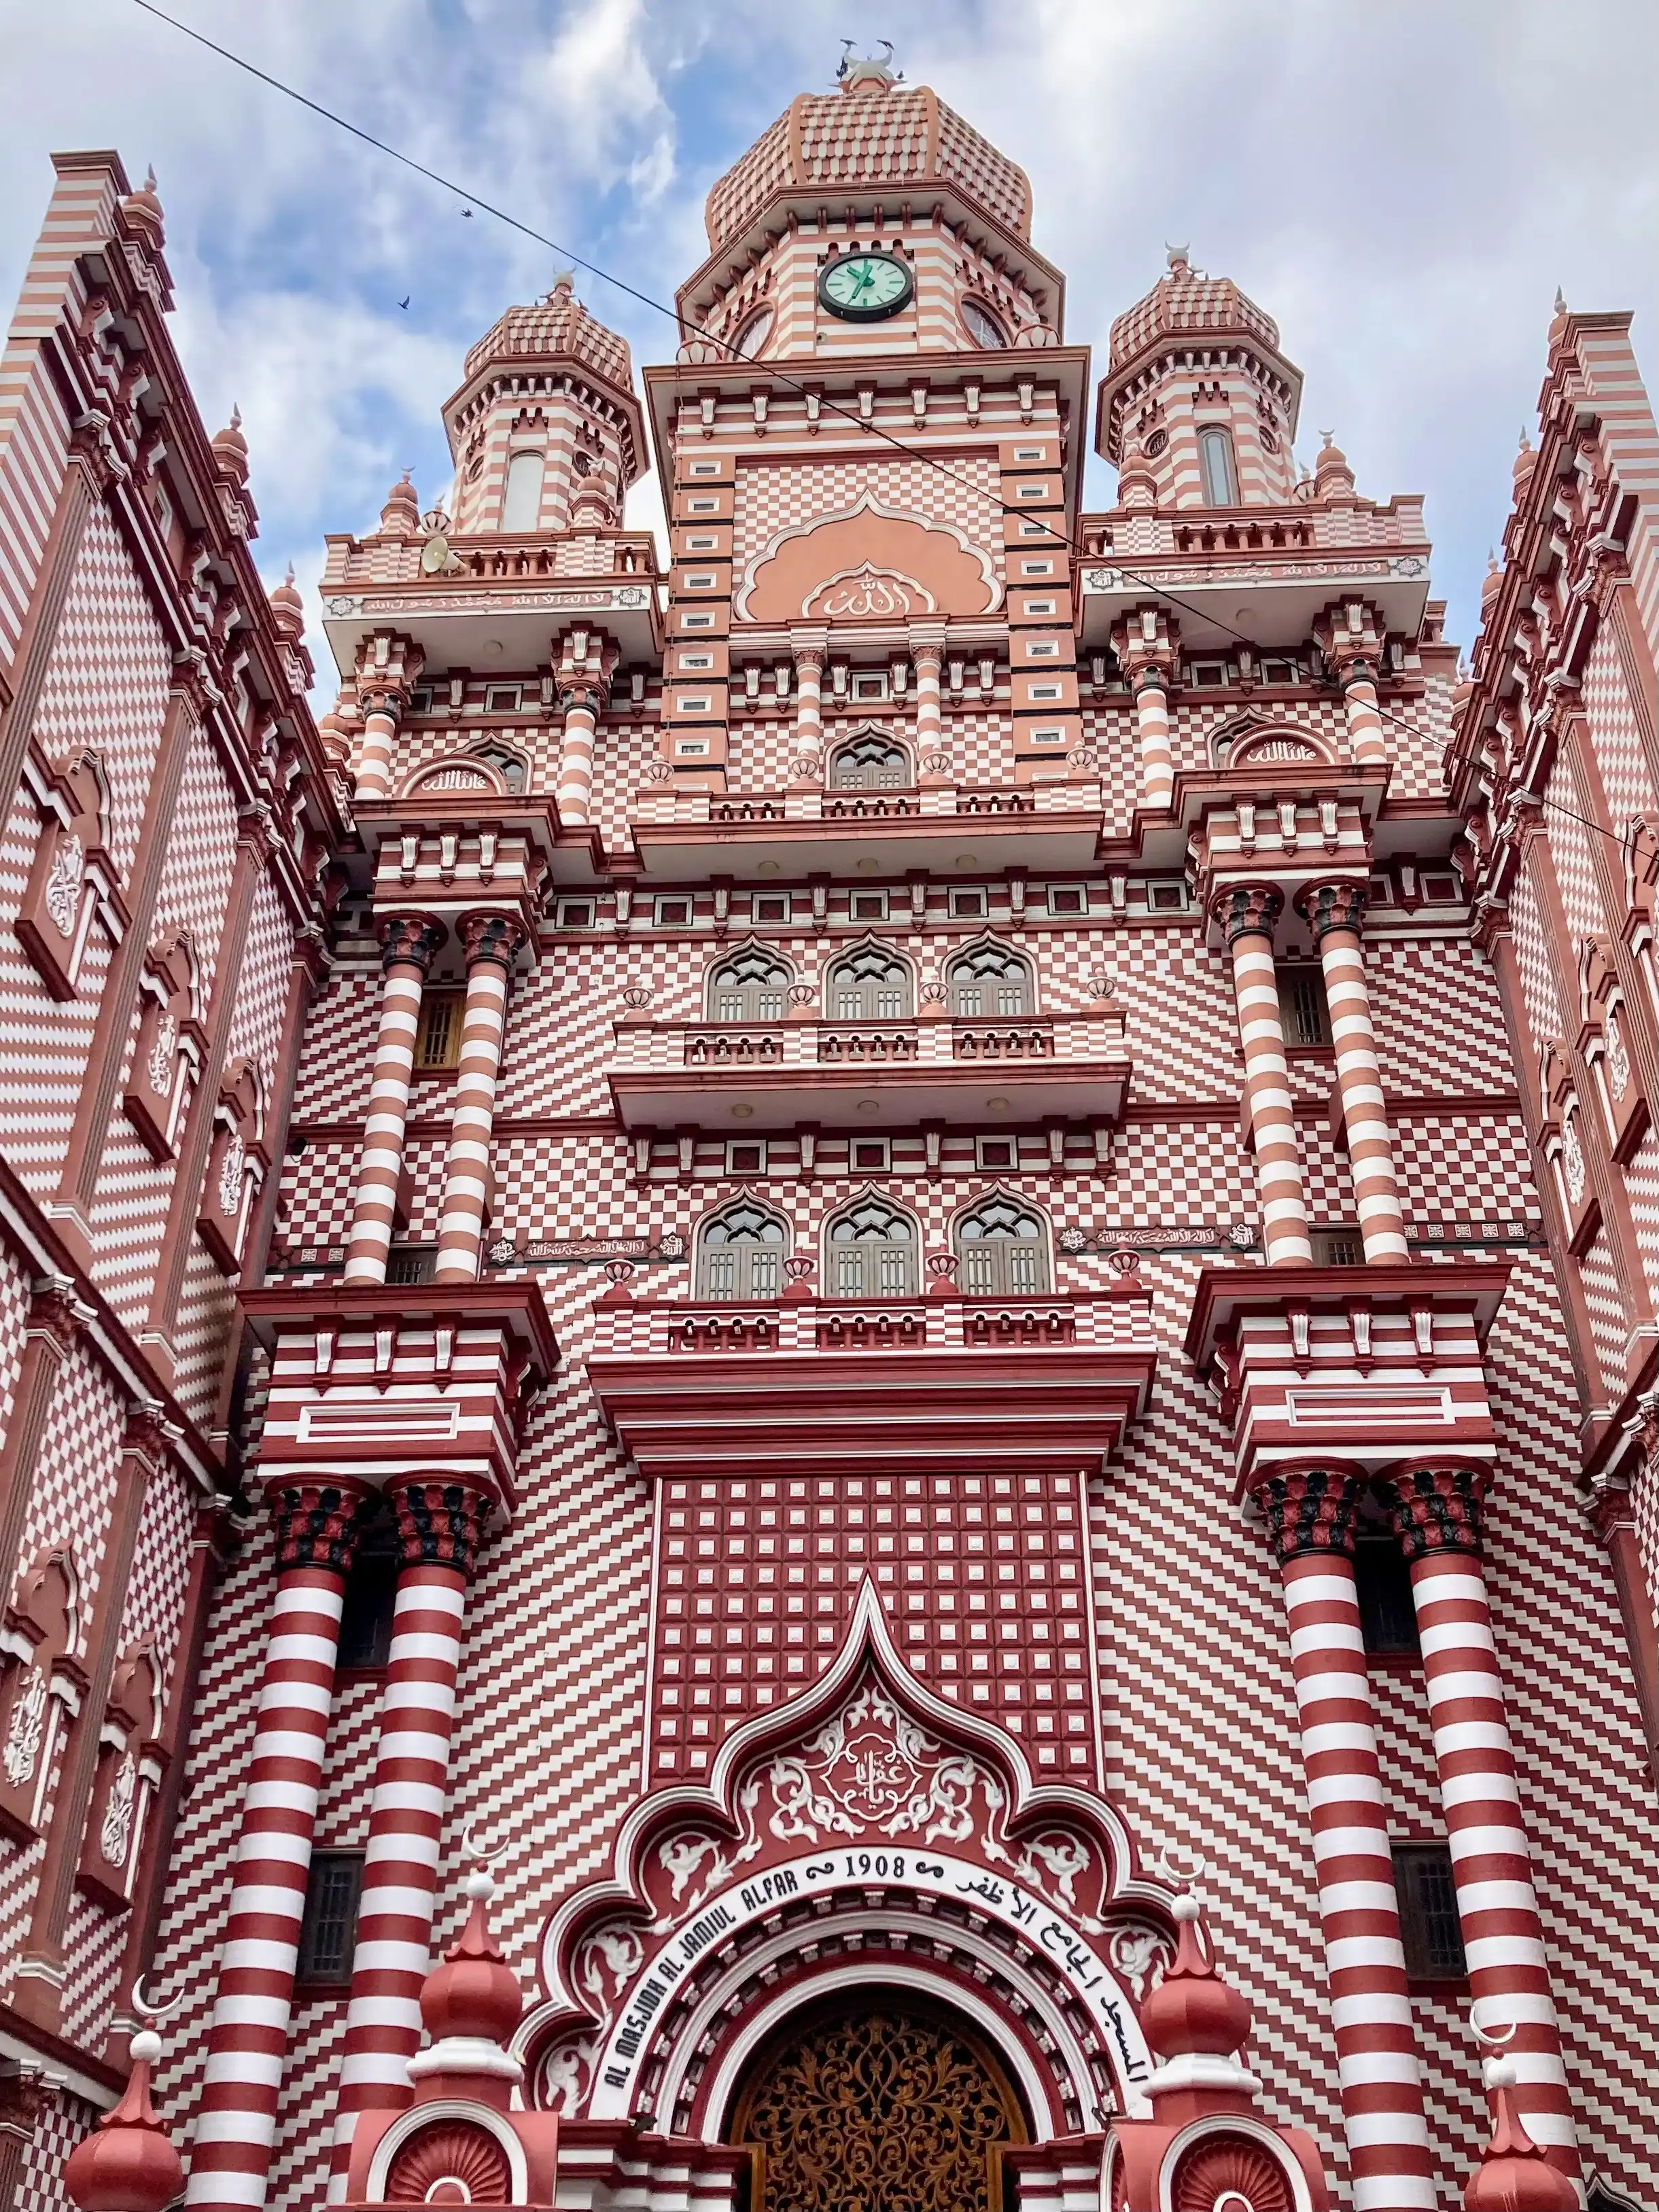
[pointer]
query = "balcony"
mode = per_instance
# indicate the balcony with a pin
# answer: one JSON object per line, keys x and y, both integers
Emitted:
{"x": 770, "y": 1387}
{"x": 1052, "y": 823}
{"x": 869, "y": 1075}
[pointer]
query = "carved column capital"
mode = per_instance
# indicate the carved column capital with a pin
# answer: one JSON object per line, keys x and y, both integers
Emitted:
{"x": 1311, "y": 1508}
{"x": 319, "y": 1523}
{"x": 387, "y": 668}
{"x": 440, "y": 1523}
{"x": 1333, "y": 906}
{"x": 497, "y": 937}
{"x": 55, "y": 1312}
{"x": 1247, "y": 910}
{"x": 410, "y": 938}
{"x": 1607, "y": 1507}
{"x": 148, "y": 1433}
{"x": 1436, "y": 1505}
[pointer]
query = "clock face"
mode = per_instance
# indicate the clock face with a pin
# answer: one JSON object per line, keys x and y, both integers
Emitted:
{"x": 862, "y": 287}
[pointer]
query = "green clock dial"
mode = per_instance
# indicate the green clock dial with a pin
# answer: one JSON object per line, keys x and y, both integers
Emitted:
{"x": 863, "y": 288}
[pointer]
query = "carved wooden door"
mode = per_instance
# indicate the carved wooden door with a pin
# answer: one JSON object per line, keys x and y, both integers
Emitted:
{"x": 885, "y": 2111}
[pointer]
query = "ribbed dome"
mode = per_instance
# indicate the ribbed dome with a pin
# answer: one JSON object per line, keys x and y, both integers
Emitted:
{"x": 1192, "y": 2008}
{"x": 1184, "y": 300}
{"x": 474, "y": 1992}
{"x": 873, "y": 133}
{"x": 558, "y": 325}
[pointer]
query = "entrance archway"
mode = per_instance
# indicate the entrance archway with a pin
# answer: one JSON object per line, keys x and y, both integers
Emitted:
{"x": 877, "y": 2106}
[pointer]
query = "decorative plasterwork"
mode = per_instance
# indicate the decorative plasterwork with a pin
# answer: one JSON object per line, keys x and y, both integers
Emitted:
{"x": 907, "y": 532}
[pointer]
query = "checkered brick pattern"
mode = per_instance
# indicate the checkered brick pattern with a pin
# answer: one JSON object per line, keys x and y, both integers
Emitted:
{"x": 773, "y": 496}
{"x": 758, "y": 753}
{"x": 46, "y": 1044}
{"x": 1607, "y": 1313}
{"x": 1575, "y": 868}
{"x": 1404, "y": 1747}
{"x": 160, "y": 1568}
{"x": 338, "y": 1056}
{"x": 1645, "y": 1508}
{"x": 93, "y": 1943}
{"x": 73, "y": 1482}
{"x": 348, "y": 1764}
{"x": 1108, "y": 730}
{"x": 1435, "y": 1012}
{"x": 1464, "y": 1167}
{"x": 1641, "y": 1188}
{"x": 1326, "y": 1176}
{"x": 1615, "y": 734}
{"x": 420, "y": 741}
{"x": 1181, "y": 1172}
{"x": 582, "y": 556}
{"x": 1193, "y": 721}
{"x": 979, "y": 738}
{"x": 262, "y": 984}
{"x": 314, "y": 1206}
{"x": 14, "y": 1316}
{"x": 201, "y": 852}
{"x": 622, "y": 752}
{"x": 1417, "y": 750}
{"x": 64, "y": 2119}
{"x": 107, "y": 682}
{"x": 1532, "y": 958}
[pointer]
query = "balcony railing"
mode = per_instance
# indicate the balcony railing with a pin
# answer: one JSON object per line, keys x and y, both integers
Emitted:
{"x": 793, "y": 1323}
{"x": 930, "y": 1040}
{"x": 1064, "y": 789}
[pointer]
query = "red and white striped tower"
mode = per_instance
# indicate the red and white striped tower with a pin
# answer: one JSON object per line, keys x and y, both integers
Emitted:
{"x": 408, "y": 942}
{"x": 1348, "y": 635}
{"x": 1437, "y": 1509}
{"x": 317, "y": 1530}
{"x": 492, "y": 942}
{"x": 1310, "y": 1512}
{"x": 1145, "y": 643}
{"x": 1335, "y": 913}
{"x": 440, "y": 1525}
{"x": 1247, "y": 913}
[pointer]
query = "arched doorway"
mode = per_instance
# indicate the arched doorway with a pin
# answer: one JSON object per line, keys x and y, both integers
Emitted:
{"x": 877, "y": 2107}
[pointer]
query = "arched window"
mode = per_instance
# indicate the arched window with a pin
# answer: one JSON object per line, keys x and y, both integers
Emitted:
{"x": 989, "y": 983}
{"x": 1215, "y": 457}
{"x": 872, "y": 1252}
{"x": 521, "y": 504}
{"x": 1002, "y": 1250}
{"x": 740, "y": 1254}
{"x": 870, "y": 985}
{"x": 510, "y": 765}
{"x": 749, "y": 986}
{"x": 872, "y": 762}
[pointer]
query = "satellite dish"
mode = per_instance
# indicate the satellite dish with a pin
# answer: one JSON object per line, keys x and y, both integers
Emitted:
{"x": 435, "y": 555}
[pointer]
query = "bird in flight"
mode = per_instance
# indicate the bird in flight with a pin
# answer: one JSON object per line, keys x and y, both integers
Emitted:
{"x": 404, "y": 301}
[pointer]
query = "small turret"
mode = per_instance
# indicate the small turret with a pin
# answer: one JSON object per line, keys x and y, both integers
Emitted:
{"x": 470, "y": 2003}
{"x": 287, "y": 609}
{"x": 144, "y": 210}
{"x": 128, "y": 2163}
{"x": 401, "y": 515}
{"x": 230, "y": 449}
{"x": 1333, "y": 478}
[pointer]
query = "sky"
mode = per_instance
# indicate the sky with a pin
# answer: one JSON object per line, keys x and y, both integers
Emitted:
{"x": 1402, "y": 184}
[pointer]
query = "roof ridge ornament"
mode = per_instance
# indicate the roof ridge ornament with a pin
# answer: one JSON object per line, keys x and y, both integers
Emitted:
{"x": 856, "y": 70}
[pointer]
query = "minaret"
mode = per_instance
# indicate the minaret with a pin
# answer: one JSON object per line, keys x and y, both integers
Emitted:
{"x": 1198, "y": 397}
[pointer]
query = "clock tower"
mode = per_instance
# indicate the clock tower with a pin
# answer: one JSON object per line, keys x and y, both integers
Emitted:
{"x": 871, "y": 441}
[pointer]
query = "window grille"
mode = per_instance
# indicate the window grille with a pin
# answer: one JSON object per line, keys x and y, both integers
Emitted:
{"x": 1302, "y": 1006}
{"x": 870, "y": 985}
{"x": 870, "y": 763}
{"x": 1430, "y": 1930}
{"x": 438, "y": 1043}
{"x": 411, "y": 1263}
{"x": 328, "y": 1925}
{"x": 1002, "y": 1251}
{"x": 752, "y": 986}
{"x": 990, "y": 982}
{"x": 740, "y": 1255}
{"x": 872, "y": 1250}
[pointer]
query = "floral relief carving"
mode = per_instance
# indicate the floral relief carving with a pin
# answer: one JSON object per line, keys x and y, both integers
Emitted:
{"x": 115, "y": 1834}
{"x": 609, "y": 1959}
{"x": 1138, "y": 1952}
{"x": 1572, "y": 1159}
{"x": 158, "y": 1065}
{"x": 1618, "y": 1059}
{"x": 28, "y": 1730}
{"x": 63, "y": 880}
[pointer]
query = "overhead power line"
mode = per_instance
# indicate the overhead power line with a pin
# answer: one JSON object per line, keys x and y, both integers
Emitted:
{"x": 472, "y": 200}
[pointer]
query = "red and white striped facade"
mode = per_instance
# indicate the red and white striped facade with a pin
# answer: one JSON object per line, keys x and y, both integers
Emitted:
{"x": 886, "y": 1152}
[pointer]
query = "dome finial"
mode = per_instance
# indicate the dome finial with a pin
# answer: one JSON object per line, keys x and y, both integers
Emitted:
{"x": 128, "y": 2163}
{"x": 1560, "y": 302}
{"x": 470, "y": 2002}
{"x": 1513, "y": 2175}
{"x": 149, "y": 185}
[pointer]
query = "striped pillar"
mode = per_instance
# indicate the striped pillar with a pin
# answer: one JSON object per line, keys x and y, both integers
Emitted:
{"x": 408, "y": 943}
{"x": 809, "y": 698}
{"x": 1310, "y": 1512}
{"x": 317, "y": 1527}
{"x": 1153, "y": 723}
{"x": 1364, "y": 721}
{"x": 581, "y": 704}
{"x": 1247, "y": 914}
{"x": 1437, "y": 1509}
{"x": 492, "y": 941}
{"x": 1335, "y": 913}
{"x": 380, "y": 710}
{"x": 439, "y": 1528}
{"x": 929, "y": 658}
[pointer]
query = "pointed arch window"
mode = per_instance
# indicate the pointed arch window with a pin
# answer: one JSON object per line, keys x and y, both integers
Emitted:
{"x": 872, "y": 1252}
{"x": 990, "y": 983}
{"x": 750, "y": 987}
{"x": 521, "y": 501}
{"x": 1002, "y": 1250}
{"x": 509, "y": 766}
{"x": 872, "y": 762}
{"x": 1215, "y": 458}
{"x": 870, "y": 985}
{"x": 740, "y": 1254}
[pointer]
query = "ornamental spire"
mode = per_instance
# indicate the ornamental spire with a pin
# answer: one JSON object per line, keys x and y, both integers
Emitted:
{"x": 128, "y": 2163}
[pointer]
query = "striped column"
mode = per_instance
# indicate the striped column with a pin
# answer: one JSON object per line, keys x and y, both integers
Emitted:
{"x": 1335, "y": 913}
{"x": 440, "y": 1527}
{"x": 492, "y": 942}
{"x": 928, "y": 655}
{"x": 1247, "y": 914}
{"x": 1364, "y": 721}
{"x": 1437, "y": 1509}
{"x": 317, "y": 1532}
{"x": 1310, "y": 1512}
{"x": 809, "y": 698}
{"x": 581, "y": 703}
{"x": 1153, "y": 723}
{"x": 408, "y": 942}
